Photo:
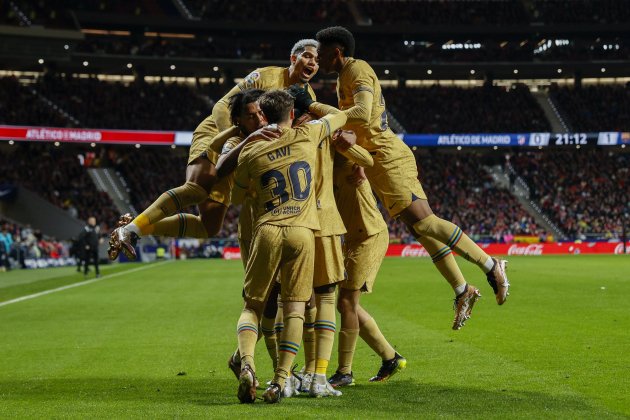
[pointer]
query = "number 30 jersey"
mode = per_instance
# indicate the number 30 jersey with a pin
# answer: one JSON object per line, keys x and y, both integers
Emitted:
{"x": 281, "y": 172}
{"x": 357, "y": 76}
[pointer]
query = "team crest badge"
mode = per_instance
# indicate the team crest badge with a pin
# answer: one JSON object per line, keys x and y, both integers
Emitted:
{"x": 251, "y": 78}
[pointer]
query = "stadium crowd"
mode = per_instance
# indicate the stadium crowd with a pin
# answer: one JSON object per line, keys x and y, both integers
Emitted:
{"x": 488, "y": 109}
{"x": 585, "y": 192}
{"x": 589, "y": 108}
{"x": 19, "y": 243}
{"x": 459, "y": 192}
{"x": 58, "y": 175}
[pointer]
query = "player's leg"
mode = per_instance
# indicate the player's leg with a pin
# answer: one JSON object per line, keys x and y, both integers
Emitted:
{"x": 309, "y": 344}
{"x": 395, "y": 179}
{"x": 422, "y": 222}
{"x": 369, "y": 332}
{"x": 329, "y": 270}
{"x": 347, "y": 304}
{"x": 262, "y": 268}
{"x": 200, "y": 176}
{"x": 267, "y": 324}
{"x": 296, "y": 277}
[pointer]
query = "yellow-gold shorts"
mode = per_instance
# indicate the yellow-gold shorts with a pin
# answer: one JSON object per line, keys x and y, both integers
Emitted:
{"x": 363, "y": 259}
{"x": 274, "y": 247}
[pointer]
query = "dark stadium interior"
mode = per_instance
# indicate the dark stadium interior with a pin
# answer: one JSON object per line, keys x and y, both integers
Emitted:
{"x": 478, "y": 66}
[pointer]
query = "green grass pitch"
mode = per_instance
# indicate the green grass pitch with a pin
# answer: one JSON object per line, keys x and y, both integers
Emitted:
{"x": 153, "y": 343}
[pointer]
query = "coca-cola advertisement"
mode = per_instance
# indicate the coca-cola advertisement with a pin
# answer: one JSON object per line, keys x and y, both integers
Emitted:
{"x": 553, "y": 248}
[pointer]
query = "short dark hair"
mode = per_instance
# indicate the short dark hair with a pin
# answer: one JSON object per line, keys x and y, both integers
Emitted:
{"x": 239, "y": 100}
{"x": 337, "y": 35}
{"x": 276, "y": 105}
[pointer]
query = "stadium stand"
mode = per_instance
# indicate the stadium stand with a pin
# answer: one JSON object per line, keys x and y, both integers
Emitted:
{"x": 592, "y": 108}
{"x": 460, "y": 190}
{"x": 387, "y": 12}
{"x": 57, "y": 174}
{"x": 489, "y": 109}
{"x": 585, "y": 192}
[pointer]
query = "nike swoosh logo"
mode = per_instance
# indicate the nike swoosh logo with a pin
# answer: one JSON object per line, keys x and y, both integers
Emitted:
{"x": 392, "y": 206}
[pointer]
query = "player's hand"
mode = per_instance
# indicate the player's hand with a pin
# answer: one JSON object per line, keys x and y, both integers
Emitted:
{"x": 358, "y": 176}
{"x": 344, "y": 139}
{"x": 301, "y": 96}
{"x": 268, "y": 133}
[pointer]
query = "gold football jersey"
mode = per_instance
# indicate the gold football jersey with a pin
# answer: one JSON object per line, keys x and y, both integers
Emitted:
{"x": 329, "y": 218}
{"x": 356, "y": 205}
{"x": 266, "y": 78}
{"x": 281, "y": 174}
{"x": 356, "y": 76}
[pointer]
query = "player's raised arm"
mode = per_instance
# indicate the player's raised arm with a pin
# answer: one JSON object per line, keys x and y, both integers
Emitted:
{"x": 363, "y": 96}
{"x": 331, "y": 118}
{"x": 228, "y": 162}
{"x": 354, "y": 153}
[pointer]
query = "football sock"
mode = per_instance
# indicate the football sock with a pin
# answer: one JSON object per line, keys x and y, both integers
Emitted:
{"x": 453, "y": 237}
{"x": 444, "y": 261}
{"x": 288, "y": 346}
{"x": 325, "y": 328}
{"x": 182, "y": 225}
{"x": 247, "y": 333}
{"x": 267, "y": 325}
{"x": 347, "y": 344}
{"x": 308, "y": 337}
{"x": 372, "y": 335}
{"x": 279, "y": 325}
{"x": 488, "y": 265}
{"x": 169, "y": 203}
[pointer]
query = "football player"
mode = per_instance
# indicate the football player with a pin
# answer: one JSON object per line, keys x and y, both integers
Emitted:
{"x": 394, "y": 175}
{"x": 202, "y": 187}
{"x": 285, "y": 217}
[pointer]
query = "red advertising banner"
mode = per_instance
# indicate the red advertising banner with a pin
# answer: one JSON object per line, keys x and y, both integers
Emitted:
{"x": 554, "y": 248}
{"x": 86, "y": 135}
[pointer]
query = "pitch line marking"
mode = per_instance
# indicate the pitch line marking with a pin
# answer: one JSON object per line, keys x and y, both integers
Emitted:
{"x": 82, "y": 283}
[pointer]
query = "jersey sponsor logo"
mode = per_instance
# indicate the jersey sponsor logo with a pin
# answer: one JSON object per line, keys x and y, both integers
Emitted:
{"x": 251, "y": 78}
{"x": 226, "y": 149}
{"x": 314, "y": 122}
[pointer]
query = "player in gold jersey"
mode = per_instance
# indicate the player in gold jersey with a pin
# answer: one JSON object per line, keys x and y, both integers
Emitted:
{"x": 202, "y": 188}
{"x": 329, "y": 263}
{"x": 285, "y": 216}
{"x": 394, "y": 175}
{"x": 365, "y": 245}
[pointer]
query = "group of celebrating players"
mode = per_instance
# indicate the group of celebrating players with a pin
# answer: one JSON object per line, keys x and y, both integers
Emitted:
{"x": 305, "y": 173}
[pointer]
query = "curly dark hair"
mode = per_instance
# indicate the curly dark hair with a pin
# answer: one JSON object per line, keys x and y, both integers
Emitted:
{"x": 337, "y": 35}
{"x": 239, "y": 100}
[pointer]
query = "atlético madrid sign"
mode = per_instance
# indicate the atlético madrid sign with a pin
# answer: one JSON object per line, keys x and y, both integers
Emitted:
{"x": 184, "y": 138}
{"x": 552, "y": 248}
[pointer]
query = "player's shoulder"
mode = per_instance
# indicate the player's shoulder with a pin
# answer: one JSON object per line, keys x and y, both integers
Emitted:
{"x": 261, "y": 75}
{"x": 356, "y": 65}
{"x": 231, "y": 143}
